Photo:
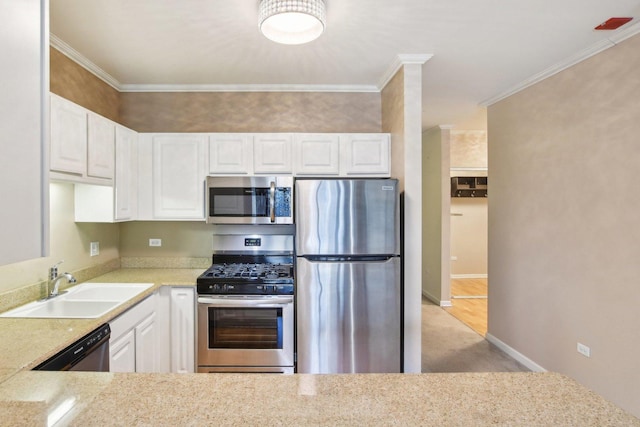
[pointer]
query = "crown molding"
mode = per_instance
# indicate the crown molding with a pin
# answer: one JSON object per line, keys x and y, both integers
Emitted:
{"x": 85, "y": 63}
{"x": 567, "y": 63}
{"x": 246, "y": 88}
{"x": 399, "y": 61}
{"x": 77, "y": 57}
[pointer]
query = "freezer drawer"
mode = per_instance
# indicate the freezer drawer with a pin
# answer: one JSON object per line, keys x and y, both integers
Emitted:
{"x": 347, "y": 217}
{"x": 348, "y": 316}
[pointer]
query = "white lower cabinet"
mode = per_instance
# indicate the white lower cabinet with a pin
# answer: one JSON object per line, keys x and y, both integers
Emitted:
{"x": 177, "y": 314}
{"x": 183, "y": 332}
{"x": 122, "y": 353}
{"x": 133, "y": 346}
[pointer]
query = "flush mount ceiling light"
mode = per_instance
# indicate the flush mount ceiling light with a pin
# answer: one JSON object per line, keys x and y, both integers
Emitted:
{"x": 292, "y": 21}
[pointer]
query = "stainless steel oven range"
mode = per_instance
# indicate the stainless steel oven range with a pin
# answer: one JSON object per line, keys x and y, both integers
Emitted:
{"x": 245, "y": 306}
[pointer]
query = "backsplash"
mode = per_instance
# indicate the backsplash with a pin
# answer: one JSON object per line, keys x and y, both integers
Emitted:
{"x": 17, "y": 297}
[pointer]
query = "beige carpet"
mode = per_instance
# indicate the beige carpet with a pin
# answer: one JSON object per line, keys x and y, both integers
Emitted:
{"x": 448, "y": 345}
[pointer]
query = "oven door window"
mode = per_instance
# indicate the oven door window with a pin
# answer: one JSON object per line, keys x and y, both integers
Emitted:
{"x": 245, "y": 328}
{"x": 240, "y": 202}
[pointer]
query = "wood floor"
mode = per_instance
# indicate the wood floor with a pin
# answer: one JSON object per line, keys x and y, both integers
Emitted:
{"x": 469, "y": 303}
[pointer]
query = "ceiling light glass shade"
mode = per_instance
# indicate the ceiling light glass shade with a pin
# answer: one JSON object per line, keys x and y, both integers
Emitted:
{"x": 292, "y": 21}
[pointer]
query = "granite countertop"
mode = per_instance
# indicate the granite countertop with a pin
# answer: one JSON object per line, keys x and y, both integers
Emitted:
{"x": 24, "y": 343}
{"x": 465, "y": 399}
{"x": 34, "y": 398}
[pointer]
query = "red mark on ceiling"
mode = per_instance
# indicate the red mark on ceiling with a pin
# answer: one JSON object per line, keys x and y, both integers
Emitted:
{"x": 613, "y": 23}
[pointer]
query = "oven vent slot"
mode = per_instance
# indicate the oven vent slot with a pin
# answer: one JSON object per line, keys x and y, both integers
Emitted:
{"x": 469, "y": 186}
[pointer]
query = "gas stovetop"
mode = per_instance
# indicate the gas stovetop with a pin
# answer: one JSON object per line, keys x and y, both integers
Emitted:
{"x": 248, "y": 275}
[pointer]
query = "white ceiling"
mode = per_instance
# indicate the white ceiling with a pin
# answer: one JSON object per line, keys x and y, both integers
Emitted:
{"x": 481, "y": 49}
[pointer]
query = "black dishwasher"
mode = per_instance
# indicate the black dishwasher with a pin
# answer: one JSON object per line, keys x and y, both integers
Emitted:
{"x": 89, "y": 353}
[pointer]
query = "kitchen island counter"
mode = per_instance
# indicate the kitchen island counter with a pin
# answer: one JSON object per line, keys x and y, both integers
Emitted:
{"x": 478, "y": 399}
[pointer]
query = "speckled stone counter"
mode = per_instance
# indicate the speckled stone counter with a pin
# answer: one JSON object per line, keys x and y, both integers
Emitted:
{"x": 36, "y": 398}
{"x": 473, "y": 399}
{"x": 24, "y": 343}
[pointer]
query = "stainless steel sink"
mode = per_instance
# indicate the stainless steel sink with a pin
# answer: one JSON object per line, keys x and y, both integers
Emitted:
{"x": 88, "y": 300}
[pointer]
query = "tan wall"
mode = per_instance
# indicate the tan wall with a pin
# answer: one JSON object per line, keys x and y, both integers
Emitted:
{"x": 469, "y": 149}
{"x": 251, "y": 112}
{"x": 564, "y": 238}
{"x": 435, "y": 215}
{"x": 71, "y": 81}
{"x": 393, "y": 123}
{"x": 69, "y": 242}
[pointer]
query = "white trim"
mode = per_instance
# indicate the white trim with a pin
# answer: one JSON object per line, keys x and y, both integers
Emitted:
{"x": 515, "y": 354}
{"x": 399, "y": 61}
{"x": 469, "y": 276}
{"x": 441, "y": 303}
{"x": 567, "y": 63}
{"x": 402, "y": 59}
{"x": 245, "y": 88}
{"x": 454, "y": 168}
{"x": 77, "y": 57}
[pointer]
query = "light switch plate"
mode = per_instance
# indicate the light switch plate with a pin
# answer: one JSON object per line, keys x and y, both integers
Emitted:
{"x": 155, "y": 242}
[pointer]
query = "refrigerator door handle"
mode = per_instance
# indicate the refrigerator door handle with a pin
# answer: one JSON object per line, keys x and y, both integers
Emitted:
{"x": 272, "y": 201}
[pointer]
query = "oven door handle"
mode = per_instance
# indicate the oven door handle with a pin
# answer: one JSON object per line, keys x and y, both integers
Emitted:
{"x": 226, "y": 302}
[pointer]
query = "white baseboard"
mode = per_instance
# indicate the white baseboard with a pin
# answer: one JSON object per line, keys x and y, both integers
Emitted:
{"x": 470, "y": 276}
{"x": 515, "y": 354}
{"x": 437, "y": 301}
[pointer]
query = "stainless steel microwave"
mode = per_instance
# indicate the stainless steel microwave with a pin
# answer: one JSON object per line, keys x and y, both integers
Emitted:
{"x": 249, "y": 200}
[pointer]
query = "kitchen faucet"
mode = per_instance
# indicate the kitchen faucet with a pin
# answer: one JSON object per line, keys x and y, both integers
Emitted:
{"x": 54, "y": 279}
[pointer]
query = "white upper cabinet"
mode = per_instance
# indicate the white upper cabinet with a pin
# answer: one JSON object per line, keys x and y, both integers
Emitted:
{"x": 82, "y": 144}
{"x": 100, "y": 146}
{"x": 178, "y": 175}
{"x": 126, "y": 176}
{"x": 317, "y": 154}
{"x": 366, "y": 154}
{"x": 68, "y": 137}
{"x": 272, "y": 153}
{"x": 113, "y": 203}
{"x": 230, "y": 153}
{"x": 24, "y": 42}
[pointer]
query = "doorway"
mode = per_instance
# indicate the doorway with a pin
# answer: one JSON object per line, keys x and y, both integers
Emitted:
{"x": 469, "y": 230}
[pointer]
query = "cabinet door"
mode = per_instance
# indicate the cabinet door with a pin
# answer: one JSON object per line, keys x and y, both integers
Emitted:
{"x": 230, "y": 153}
{"x": 125, "y": 175}
{"x": 100, "y": 146}
{"x": 272, "y": 153}
{"x": 122, "y": 353}
{"x": 317, "y": 154}
{"x": 366, "y": 154}
{"x": 182, "y": 330}
{"x": 178, "y": 176}
{"x": 146, "y": 333}
{"x": 23, "y": 121}
{"x": 68, "y": 137}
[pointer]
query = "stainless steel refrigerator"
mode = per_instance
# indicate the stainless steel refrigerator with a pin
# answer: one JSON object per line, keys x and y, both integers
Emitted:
{"x": 348, "y": 276}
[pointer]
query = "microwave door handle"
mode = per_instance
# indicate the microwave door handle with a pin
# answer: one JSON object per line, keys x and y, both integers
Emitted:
{"x": 272, "y": 200}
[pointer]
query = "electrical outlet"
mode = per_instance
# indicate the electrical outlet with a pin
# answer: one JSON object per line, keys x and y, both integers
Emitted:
{"x": 584, "y": 350}
{"x": 454, "y": 258}
{"x": 94, "y": 248}
{"x": 155, "y": 242}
